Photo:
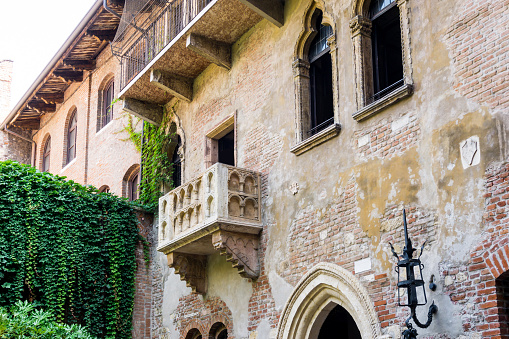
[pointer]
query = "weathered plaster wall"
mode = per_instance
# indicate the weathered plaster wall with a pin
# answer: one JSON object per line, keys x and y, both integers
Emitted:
{"x": 351, "y": 189}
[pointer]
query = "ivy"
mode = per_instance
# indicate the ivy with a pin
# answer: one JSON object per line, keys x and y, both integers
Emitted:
{"x": 156, "y": 165}
{"x": 68, "y": 249}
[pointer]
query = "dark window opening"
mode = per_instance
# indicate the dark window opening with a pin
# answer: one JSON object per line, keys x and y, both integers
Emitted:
{"x": 502, "y": 292}
{"x": 222, "y": 335}
{"x": 71, "y": 137}
{"x": 104, "y": 189}
{"x": 133, "y": 187}
{"x": 339, "y": 324}
{"x": 106, "y": 111}
{"x": 177, "y": 165}
{"x": 226, "y": 149}
{"x": 46, "y": 155}
{"x": 386, "y": 46}
{"x": 320, "y": 76}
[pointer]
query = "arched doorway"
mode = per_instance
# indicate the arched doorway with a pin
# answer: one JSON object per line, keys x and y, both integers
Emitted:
{"x": 334, "y": 321}
{"x": 329, "y": 302}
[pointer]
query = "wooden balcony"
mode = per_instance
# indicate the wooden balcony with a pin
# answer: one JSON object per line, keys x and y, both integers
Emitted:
{"x": 180, "y": 43}
{"x": 217, "y": 211}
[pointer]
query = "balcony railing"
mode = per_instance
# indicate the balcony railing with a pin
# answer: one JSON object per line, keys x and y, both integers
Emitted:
{"x": 223, "y": 194}
{"x": 217, "y": 211}
{"x": 134, "y": 56}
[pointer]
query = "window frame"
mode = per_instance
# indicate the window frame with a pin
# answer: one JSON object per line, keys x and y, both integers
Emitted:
{"x": 71, "y": 142}
{"x": 46, "y": 155}
{"x": 105, "y": 108}
{"x": 305, "y": 139}
{"x": 133, "y": 186}
{"x": 361, "y": 32}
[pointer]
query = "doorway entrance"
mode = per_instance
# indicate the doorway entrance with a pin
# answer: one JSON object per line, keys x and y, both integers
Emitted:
{"x": 339, "y": 324}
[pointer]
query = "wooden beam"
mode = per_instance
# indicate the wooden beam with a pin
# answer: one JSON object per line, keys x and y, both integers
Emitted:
{"x": 80, "y": 65}
{"x": 42, "y": 107}
{"x": 51, "y": 98}
{"x": 103, "y": 35}
{"x": 149, "y": 112}
{"x": 69, "y": 76}
{"x": 176, "y": 85}
{"x": 272, "y": 10}
{"x": 216, "y": 52}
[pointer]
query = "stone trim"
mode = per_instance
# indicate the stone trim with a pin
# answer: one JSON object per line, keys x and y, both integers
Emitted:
{"x": 317, "y": 139}
{"x": 398, "y": 94}
{"x": 324, "y": 284}
{"x": 301, "y": 67}
{"x": 360, "y": 28}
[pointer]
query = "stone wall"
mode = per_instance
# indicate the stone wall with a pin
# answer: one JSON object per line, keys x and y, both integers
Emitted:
{"x": 341, "y": 202}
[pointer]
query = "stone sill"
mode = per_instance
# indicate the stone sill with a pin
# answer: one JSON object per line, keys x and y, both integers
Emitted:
{"x": 370, "y": 110}
{"x": 317, "y": 139}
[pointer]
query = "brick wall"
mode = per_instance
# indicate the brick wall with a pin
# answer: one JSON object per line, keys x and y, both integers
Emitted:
{"x": 481, "y": 283}
{"x": 479, "y": 50}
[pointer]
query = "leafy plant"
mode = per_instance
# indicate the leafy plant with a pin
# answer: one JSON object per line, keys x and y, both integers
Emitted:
{"x": 157, "y": 168}
{"x": 68, "y": 249}
{"x": 24, "y": 320}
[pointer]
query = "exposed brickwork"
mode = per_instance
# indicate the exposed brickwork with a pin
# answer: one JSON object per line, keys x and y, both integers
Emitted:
{"x": 332, "y": 236}
{"x": 475, "y": 283}
{"x": 192, "y": 312}
{"x": 261, "y": 304}
{"x": 389, "y": 137}
{"x": 142, "y": 310}
{"x": 261, "y": 149}
{"x": 479, "y": 50}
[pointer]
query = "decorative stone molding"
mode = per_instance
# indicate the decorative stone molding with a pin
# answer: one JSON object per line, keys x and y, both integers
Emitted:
{"x": 323, "y": 285}
{"x": 360, "y": 28}
{"x": 241, "y": 250}
{"x": 301, "y": 74}
{"x": 216, "y": 211}
{"x": 391, "y": 98}
{"x": 191, "y": 268}
{"x": 317, "y": 139}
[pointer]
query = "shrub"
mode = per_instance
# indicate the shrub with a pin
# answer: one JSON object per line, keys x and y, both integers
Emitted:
{"x": 23, "y": 320}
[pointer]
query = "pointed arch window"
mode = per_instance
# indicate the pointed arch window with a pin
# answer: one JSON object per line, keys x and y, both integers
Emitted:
{"x": 320, "y": 77}
{"x": 46, "y": 155}
{"x": 315, "y": 78}
{"x": 72, "y": 131}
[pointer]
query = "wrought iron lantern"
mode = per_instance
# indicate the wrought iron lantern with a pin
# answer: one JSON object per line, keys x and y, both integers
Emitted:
{"x": 411, "y": 290}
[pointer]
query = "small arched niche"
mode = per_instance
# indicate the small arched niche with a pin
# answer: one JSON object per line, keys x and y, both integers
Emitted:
{"x": 218, "y": 331}
{"x": 325, "y": 294}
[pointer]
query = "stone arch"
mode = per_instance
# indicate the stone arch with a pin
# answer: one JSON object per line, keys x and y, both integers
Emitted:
{"x": 360, "y": 7}
{"x": 323, "y": 285}
{"x": 176, "y": 148}
{"x": 128, "y": 176}
{"x": 309, "y": 31}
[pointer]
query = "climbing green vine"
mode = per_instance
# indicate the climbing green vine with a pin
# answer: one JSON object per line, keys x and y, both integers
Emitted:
{"x": 156, "y": 165}
{"x": 67, "y": 249}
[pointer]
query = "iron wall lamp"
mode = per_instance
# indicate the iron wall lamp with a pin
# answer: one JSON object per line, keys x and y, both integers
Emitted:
{"x": 411, "y": 290}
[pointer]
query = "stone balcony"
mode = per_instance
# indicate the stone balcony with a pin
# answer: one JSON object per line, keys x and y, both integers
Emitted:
{"x": 179, "y": 44}
{"x": 217, "y": 211}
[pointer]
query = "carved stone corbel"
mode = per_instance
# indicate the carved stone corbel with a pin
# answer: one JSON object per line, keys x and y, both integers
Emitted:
{"x": 241, "y": 250}
{"x": 191, "y": 268}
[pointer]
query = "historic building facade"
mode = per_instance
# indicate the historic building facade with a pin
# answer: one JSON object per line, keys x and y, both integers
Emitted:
{"x": 303, "y": 129}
